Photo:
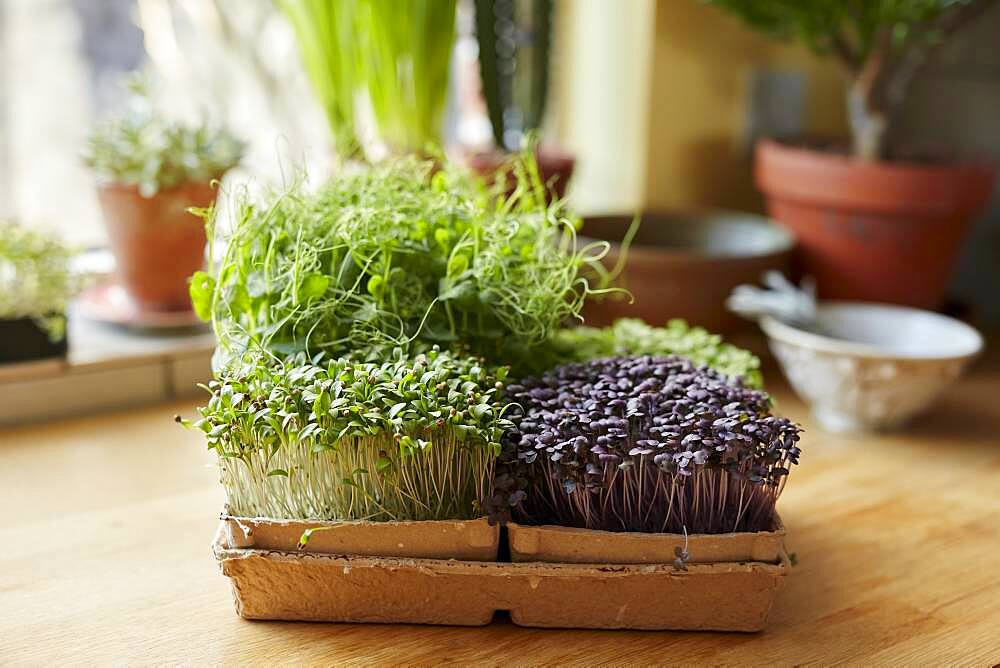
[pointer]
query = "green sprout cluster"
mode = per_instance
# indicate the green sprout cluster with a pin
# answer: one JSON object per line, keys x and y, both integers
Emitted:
{"x": 400, "y": 255}
{"x": 629, "y": 336}
{"x": 366, "y": 329}
{"x": 409, "y": 439}
{"x": 35, "y": 277}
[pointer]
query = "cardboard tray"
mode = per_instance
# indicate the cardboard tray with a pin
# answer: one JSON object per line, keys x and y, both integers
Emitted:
{"x": 567, "y": 545}
{"x": 469, "y": 540}
{"x": 316, "y": 587}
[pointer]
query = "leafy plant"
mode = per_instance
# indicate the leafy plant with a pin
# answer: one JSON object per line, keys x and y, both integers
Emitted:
{"x": 407, "y": 439}
{"x": 629, "y": 336}
{"x": 142, "y": 148}
{"x": 327, "y": 36}
{"x": 397, "y": 255}
{"x": 398, "y": 54}
{"x": 514, "y": 65}
{"x": 649, "y": 444}
{"x": 35, "y": 277}
{"x": 881, "y": 45}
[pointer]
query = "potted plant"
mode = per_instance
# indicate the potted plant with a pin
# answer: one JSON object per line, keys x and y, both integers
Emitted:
{"x": 395, "y": 58}
{"x": 151, "y": 172}
{"x": 650, "y": 459}
{"x": 873, "y": 223}
{"x": 36, "y": 284}
{"x": 514, "y": 65}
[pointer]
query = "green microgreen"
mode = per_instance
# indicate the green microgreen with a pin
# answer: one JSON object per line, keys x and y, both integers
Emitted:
{"x": 408, "y": 439}
{"x": 399, "y": 255}
{"x": 628, "y": 336}
{"x": 35, "y": 277}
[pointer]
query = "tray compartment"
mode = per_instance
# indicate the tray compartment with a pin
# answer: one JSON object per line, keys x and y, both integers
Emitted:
{"x": 468, "y": 540}
{"x": 283, "y": 585}
{"x": 568, "y": 545}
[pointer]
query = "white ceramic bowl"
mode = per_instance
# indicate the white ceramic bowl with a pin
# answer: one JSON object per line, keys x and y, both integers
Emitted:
{"x": 875, "y": 366}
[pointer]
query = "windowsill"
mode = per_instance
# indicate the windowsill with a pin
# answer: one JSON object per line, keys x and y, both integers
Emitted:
{"x": 107, "y": 368}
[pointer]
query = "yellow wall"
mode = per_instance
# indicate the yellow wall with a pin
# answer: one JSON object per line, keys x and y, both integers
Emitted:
{"x": 702, "y": 59}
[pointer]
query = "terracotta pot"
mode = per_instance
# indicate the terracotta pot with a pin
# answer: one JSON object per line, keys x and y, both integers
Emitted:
{"x": 555, "y": 167}
{"x": 685, "y": 265}
{"x": 157, "y": 244}
{"x": 877, "y": 231}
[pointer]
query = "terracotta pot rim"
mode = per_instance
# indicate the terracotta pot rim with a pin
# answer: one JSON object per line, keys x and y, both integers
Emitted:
{"x": 121, "y": 186}
{"x": 784, "y": 241}
{"x": 843, "y": 183}
{"x": 835, "y": 160}
{"x": 495, "y": 157}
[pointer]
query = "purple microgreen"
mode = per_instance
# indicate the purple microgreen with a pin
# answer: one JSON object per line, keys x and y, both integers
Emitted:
{"x": 657, "y": 445}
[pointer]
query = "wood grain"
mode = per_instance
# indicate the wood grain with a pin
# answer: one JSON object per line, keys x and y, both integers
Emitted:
{"x": 104, "y": 557}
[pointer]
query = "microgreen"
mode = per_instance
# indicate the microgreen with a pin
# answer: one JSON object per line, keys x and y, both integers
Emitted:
{"x": 649, "y": 444}
{"x": 407, "y": 439}
{"x": 629, "y": 336}
{"x": 35, "y": 277}
{"x": 397, "y": 255}
{"x": 142, "y": 148}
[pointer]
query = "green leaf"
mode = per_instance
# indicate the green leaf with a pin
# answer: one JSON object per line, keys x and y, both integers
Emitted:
{"x": 458, "y": 264}
{"x": 281, "y": 472}
{"x": 313, "y": 286}
{"x": 442, "y": 236}
{"x": 376, "y": 286}
{"x": 201, "y": 290}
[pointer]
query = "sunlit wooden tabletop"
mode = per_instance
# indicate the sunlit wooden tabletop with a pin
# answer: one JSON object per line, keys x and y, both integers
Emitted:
{"x": 106, "y": 524}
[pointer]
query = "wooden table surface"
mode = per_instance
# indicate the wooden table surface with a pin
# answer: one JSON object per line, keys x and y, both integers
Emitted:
{"x": 104, "y": 556}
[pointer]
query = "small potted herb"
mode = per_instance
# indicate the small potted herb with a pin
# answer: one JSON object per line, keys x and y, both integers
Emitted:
{"x": 151, "y": 171}
{"x": 35, "y": 286}
{"x": 677, "y": 461}
{"x": 387, "y": 459}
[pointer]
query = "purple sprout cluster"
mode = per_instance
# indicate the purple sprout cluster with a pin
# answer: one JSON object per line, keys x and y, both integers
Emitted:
{"x": 651, "y": 444}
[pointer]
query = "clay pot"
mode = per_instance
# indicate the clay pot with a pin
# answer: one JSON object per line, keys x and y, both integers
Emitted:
{"x": 873, "y": 231}
{"x": 685, "y": 265}
{"x": 156, "y": 242}
{"x": 555, "y": 167}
